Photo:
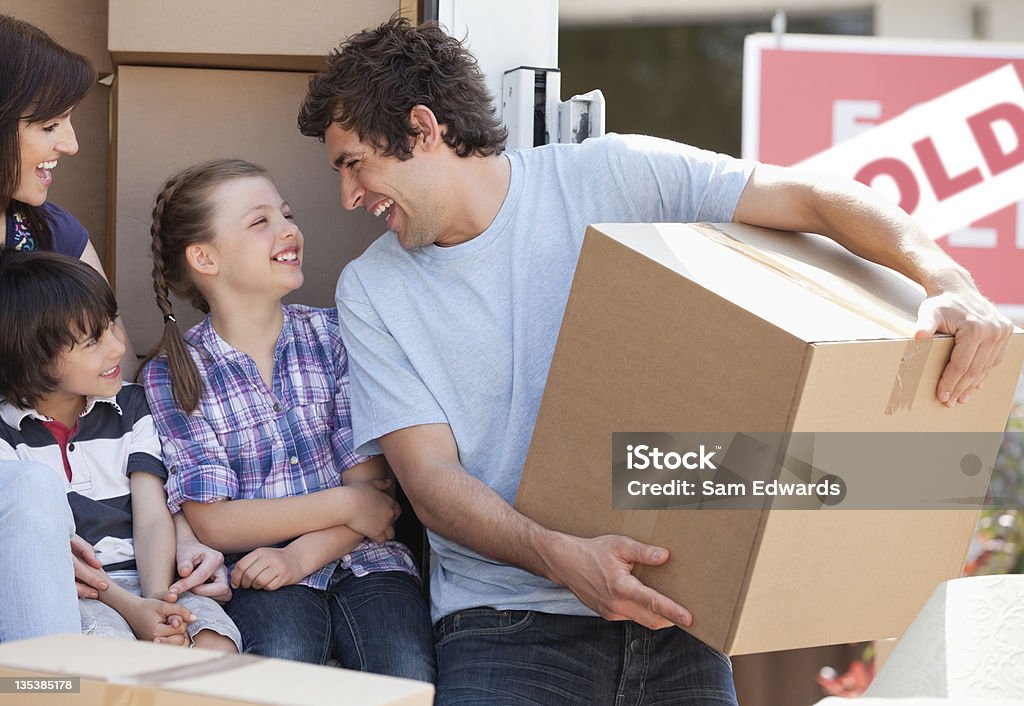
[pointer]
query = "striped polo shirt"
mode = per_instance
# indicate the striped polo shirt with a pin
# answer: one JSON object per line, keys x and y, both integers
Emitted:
{"x": 114, "y": 437}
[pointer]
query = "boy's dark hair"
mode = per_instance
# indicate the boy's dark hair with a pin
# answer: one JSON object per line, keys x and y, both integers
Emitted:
{"x": 377, "y": 76}
{"x": 39, "y": 80}
{"x": 48, "y": 302}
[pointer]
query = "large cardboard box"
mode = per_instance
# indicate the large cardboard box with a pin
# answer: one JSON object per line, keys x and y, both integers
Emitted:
{"x": 80, "y": 182}
{"x": 240, "y": 34}
{"x": 146, "y": 674}
{"x": 80, "y": 26}
{"x": 167, "y": 119}
{"x": 740, "y": 332}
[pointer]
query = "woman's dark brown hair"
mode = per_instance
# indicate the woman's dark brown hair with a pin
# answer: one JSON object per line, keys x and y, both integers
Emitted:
{"x": 182, "y": 217}
{"x": 48, "y": 302}
{"x": 39, "y": 81}
{"x": 375, "y": 78}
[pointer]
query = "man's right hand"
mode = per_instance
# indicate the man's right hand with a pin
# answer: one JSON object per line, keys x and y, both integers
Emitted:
{"x": 90, "y": 578}
{"x": 374, "y": 511}
{"x": 600, "y": 572}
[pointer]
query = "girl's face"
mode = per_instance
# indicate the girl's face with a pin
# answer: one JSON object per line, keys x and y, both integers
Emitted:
{"x": 41, "y": 145}
{"x": 257, "y": 248}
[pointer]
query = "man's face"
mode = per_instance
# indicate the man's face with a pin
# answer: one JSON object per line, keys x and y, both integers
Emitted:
{"x": 402, "y": 192}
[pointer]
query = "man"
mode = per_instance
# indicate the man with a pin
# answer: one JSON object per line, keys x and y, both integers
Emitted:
{"x": 451, "y": 318}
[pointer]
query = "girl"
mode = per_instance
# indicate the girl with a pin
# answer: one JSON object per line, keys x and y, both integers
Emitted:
{"x": 252, "y": 406}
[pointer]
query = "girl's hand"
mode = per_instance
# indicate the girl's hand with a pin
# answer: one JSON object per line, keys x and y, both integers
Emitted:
{"x": 267, "y": 569}
{"x": 375, "y": 511}
{"x": 158, "y": 621}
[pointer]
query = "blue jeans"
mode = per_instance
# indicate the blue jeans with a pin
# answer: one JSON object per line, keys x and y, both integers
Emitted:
{"x": 486, "y": 656}
{"x": 37, "y": 580}
{"x": 374, "y": 623}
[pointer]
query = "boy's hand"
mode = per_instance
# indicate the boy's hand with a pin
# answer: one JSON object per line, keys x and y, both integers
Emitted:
{"x": 89, "y": 576}
{"x": 267, "y": 569}
{"x": 169, "y": 596}
{"x": 158, "y": 621}
{"x": 202, "y": 571}
{"x": 376, "y": 511}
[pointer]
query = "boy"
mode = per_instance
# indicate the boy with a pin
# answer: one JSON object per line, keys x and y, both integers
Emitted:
{"x": 64, "y": 405}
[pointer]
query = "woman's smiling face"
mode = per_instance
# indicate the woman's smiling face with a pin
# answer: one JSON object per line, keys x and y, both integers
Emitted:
{"x": 41, "y": 145}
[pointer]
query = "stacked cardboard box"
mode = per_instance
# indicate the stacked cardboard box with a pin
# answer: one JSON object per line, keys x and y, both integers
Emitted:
{"x": 733, "y": 330}
{"x": 179, "y": 99}
{"x": 239, "y": 34}
{"x": 107, "y": 671}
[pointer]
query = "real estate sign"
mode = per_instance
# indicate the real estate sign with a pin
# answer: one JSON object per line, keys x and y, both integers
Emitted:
{"x": 937, "y": 126}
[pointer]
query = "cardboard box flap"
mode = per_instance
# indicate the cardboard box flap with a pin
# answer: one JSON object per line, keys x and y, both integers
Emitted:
{"x": 217, "y": 677}
{"x": 805, "y": 284}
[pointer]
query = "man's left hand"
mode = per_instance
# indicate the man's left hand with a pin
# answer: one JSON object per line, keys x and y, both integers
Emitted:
{"x": 981, "y": 335}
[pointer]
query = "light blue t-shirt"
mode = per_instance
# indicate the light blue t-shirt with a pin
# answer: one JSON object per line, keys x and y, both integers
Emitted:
{"x": 464, "y": 335}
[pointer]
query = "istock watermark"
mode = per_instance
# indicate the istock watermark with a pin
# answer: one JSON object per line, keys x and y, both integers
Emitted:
{"x": 803, "y": 470}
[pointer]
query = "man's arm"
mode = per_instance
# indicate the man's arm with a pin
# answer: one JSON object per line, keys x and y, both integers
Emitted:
{"x": 872, "y": 227}
{"x": 451, "y": 502}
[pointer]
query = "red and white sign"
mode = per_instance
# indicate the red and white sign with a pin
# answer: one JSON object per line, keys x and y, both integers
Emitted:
{"x": 956, "y": 161}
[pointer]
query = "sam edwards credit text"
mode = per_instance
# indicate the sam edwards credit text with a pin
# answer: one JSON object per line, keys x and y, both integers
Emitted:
{"x": 710, "y": 488}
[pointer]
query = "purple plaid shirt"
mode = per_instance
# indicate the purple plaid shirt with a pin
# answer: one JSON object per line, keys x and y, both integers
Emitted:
{"x": 247, "y": 441}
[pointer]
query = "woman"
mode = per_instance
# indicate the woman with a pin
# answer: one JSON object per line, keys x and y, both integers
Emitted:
{"x": 41, "y": 82}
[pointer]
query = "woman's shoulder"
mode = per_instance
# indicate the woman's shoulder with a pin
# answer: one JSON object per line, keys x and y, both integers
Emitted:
{"x": 69, "y": 236}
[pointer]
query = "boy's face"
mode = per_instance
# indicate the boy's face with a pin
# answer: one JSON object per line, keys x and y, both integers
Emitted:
{"x": 91, "y": 368}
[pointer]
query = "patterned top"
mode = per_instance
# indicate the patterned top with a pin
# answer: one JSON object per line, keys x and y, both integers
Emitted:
{"x": 114, "y": 437}
{"x": 248, "y": 441}
{"x": 69, "y": 236}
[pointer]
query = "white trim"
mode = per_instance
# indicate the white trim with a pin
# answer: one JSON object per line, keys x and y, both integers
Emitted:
{"x": 844, "y": 44}
{"x": 751, "y": 115}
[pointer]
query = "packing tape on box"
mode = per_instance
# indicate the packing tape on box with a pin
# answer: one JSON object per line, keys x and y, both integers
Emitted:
{"x": 139, "y": 689}
{"x": 915, "y": 355}
{"x": 163, "y": 677}
{"x": 908, "y": 376}
{"x": 712, "y": 232}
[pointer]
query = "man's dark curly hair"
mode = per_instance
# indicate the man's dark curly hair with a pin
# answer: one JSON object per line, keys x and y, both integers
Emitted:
{"x": 377, "y": 76}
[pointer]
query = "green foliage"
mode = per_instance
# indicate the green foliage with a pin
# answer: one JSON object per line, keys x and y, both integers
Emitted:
{"x": 998, "y": 544}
